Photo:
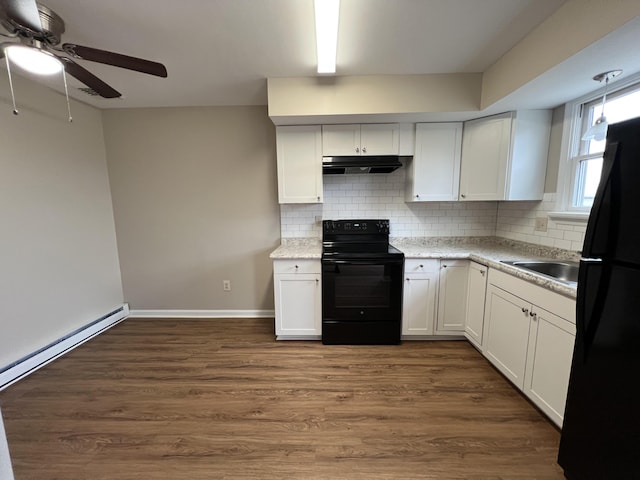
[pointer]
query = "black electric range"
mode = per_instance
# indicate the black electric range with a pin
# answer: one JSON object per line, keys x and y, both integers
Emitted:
{"x": 361, "y": 283}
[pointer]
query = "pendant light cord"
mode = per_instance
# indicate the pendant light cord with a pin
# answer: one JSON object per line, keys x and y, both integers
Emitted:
{"x": 13, "y": 97}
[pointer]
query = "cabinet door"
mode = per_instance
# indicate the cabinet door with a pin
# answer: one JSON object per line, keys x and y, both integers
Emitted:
{"x": 506, "y": 333}
{"x": 434, "y": 172}
{"x": 485, "y": 154}
{"x": 380, "y": 139}
{"x": 340, "y": 140}
{"x": 551, "y": 340}
{"x": 299, "y": 151}
{"x": 418, "y": 308}
{"x": 298, "y": 305}
{"x": 452, "y": 296}
{"x": 476, "y": 290}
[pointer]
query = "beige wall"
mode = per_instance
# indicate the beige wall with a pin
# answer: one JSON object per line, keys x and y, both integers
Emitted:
{"x": 573, "y": 27}
{"x": 327, "y": 97}
{"x": 555, "y": 146}
{"x": 195, "y": 201}
{"x": 58, "y": 260}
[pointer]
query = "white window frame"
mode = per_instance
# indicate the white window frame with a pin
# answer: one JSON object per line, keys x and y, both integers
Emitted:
{"x": 571, "y": 133}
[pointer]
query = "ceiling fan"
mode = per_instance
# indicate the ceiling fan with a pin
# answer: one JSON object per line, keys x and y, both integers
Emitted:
{"x": 38, "y": 31}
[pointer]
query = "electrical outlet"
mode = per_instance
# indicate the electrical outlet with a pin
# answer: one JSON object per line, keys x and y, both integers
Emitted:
{"x": 541, "y": 224}
{"x": 226, "y": 285}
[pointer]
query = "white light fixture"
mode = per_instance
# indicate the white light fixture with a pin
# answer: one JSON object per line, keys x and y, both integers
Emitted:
{"x": 598, "y": 131}
{"x": 33, "y": 60}
{"x": 327, "y": 13}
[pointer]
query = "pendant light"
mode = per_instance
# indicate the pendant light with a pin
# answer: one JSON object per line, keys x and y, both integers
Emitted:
{"x": 598, "y": 131}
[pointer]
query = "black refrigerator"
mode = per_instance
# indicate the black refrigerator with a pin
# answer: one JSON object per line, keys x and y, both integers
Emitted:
{"x": 601, "y": 430}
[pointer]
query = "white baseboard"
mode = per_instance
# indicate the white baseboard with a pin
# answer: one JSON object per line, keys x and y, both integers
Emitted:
{"x": 30, "y": 363}
{"x": 202, "y": 314}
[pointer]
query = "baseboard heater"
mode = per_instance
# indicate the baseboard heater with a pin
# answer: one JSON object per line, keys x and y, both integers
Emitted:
{"x": 30, "y": 363}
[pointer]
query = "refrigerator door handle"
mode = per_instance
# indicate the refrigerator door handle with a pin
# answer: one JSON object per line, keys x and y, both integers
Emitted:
{"x": 595, "y": 217}
{"x": 592, "y": 290}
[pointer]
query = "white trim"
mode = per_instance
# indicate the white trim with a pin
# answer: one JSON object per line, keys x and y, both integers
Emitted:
{"x": 571, "y": 140}
{"x": 49, "y": 353}
{"x": 202, "y": 314}
{"x": 569, "y": 217}
{"x": 6, "y": 472}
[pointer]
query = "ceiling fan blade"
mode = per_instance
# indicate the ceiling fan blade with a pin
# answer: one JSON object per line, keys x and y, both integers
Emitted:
{"x": 89, "y": 79}
{"x": 115, "y": 59}
{"x": 22, "y": 12}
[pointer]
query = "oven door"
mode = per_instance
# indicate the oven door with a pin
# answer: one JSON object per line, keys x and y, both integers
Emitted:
{"x": 362, "y": 290}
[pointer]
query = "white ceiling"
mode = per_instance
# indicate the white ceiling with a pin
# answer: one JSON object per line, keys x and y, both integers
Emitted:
{"x": 220, "y": 52}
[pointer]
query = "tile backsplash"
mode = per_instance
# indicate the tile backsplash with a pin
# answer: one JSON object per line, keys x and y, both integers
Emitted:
{"x": 382, "y": 196}
{"x": 516, "y": 221}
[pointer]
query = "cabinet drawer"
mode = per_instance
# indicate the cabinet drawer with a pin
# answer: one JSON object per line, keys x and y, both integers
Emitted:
{"x": 296, "y": 266}
{"x": 420, "y": 265}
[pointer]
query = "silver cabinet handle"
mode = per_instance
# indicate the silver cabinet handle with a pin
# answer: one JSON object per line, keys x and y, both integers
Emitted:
{"x": 364, "y": 149}
{"x": 357, "y": 149}
{"x": 463, "y": 195}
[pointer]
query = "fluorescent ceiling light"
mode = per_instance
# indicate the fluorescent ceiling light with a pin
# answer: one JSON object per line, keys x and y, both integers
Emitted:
{"x": 33, "y": 60}
{"x": 327, "y": 12}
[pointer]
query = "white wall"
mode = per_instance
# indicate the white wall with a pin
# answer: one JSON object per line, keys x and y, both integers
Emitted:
{"x": 59, "y": 264}
{"x": 382, "y": 196}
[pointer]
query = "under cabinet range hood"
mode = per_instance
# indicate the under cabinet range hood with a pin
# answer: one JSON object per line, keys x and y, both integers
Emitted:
{"x": 360, "y": 164}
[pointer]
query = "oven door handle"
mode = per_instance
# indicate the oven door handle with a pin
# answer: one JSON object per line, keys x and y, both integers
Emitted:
{"x": 362, "y": 262}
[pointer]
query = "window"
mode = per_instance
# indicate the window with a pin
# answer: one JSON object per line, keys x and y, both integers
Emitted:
{"x": 586, "y": 155}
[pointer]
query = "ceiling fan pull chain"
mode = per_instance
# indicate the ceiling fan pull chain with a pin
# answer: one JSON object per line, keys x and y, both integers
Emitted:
{"x": 66, "y": 92}
{"x": 13, "y": 97}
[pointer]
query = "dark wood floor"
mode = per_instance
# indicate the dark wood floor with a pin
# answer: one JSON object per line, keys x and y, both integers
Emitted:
{"x": 220, "y": 399}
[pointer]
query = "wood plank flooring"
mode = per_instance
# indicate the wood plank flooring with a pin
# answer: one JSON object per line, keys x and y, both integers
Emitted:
{"x": 220, "y": 399}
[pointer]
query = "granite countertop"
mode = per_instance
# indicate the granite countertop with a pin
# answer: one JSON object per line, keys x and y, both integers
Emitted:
{"x": 488, "y": 251}
{"x": 298, "y": 248}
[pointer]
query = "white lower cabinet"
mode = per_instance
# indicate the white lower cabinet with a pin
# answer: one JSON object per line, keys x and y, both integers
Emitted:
{"x": 546, "y": 377}
{"x": 420, "y": 295}
{"x": 476, "y": 292}
{"x": 452, "y": 297}
{"x": 507, "y": 333}
{"x": 530, "y": 345}
{"x": 298, "y": 299}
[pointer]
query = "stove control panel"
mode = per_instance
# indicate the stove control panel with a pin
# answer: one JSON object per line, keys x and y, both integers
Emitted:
{"x": 355, "y": 226}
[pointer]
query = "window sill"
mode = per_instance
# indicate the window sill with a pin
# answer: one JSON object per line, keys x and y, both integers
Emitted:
{"x": 569, "y": 217}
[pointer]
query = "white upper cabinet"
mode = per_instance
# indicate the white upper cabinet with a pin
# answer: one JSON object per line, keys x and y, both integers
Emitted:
{"x": 434, "y": 172}
{"x": 369, "y": 139}
{"x": 504, "y": 157}
{"x": 299, "y": 150}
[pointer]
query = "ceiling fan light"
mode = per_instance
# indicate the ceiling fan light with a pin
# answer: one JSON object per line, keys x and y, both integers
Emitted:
{"x": 327, "y": 15}
{"x": 597, "y": 131}
{"x": 33, "y": 60}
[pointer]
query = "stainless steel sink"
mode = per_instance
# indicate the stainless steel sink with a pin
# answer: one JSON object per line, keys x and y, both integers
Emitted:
{"x": 562, "y": 271}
